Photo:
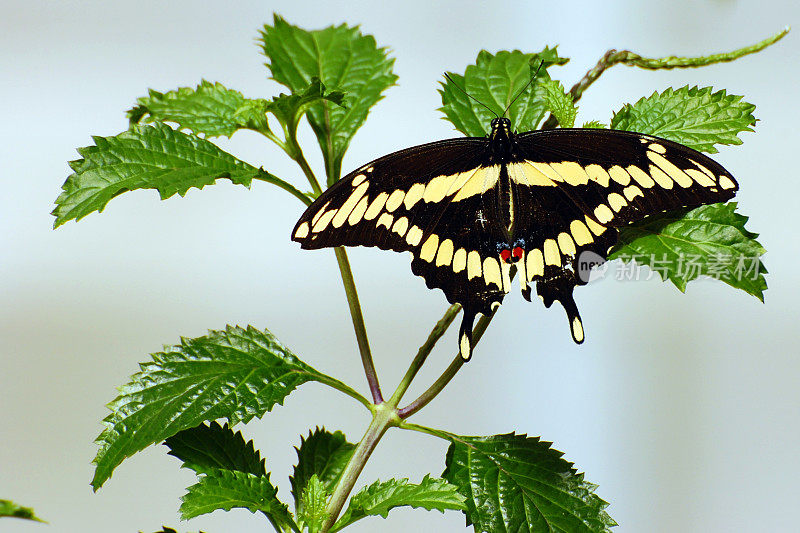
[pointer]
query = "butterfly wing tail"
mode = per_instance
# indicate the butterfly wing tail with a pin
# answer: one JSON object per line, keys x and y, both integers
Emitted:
{"x": 560, "y": 289}
{"x": 465, "y": 335}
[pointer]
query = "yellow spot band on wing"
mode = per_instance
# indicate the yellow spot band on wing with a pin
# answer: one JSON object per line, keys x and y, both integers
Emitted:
{"x": 385, "y": 220}
{"x": 349, "y": 204}
{"x": 580, "y": 233}
{"x": 598, "y": 174}
{"x": 376, "y": 206}
{"x": 482, "y": 180}
{"x": 491, "y": 272}
{"x": 473, "y": 265}
{"x": 395, "y": 199}
{"x": 534, "y": 264}
{"x": 526, "y": 174}
{"x": 459, "y": 260}
{"x": 428, "y": 250}
{"x": 400, "y": 226}
{"x": 414, "y": 236}
{"x": 414, "y": 195}
{"x": 572, "y": 172}
{"x": 566, "y": 244}
{"x": 445, "y": 254}
{"x": 551, "y": 253}
{"x": 302, "y": 231}
{"x": 680, "y": 177}
{"x": 358, "y": 211}
{"x": 641, "y": 177}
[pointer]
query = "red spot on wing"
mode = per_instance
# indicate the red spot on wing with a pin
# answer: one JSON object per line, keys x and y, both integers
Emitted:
{"x": 518, "y": 252}
{"x": 505, "y": 255}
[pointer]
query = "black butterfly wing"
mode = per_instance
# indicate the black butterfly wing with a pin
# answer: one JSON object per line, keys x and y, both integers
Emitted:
{"x": 575, "y": 187}
{"x": 436, "y": 201}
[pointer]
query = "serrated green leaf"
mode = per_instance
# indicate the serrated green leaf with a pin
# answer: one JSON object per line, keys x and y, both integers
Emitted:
{"x": 288, "y": 108}
{"x": 211, "y": 446}
{"x": 710, "y": 240}
{"x": 695, "y": 117}
{"x": 210, "y": 109}
{"x": 238, "y": 374}
{"x": 381, "y": 497}
{"x": 559, "y": 103}
{"x": 226, "y": 489}
{"x": 595, "y": 124}
{"x": 9, "y": 509}
{"x": 314, "y": 502}
{"x": 149, "y": 157}
{"x": 322, "y": 454}
{"x": 519, "y": 483}
{"x": 344, "y": 60}
{"x": 495, "y": 80}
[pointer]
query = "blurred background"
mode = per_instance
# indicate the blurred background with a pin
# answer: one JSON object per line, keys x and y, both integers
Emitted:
{"x": 684, "y": 408}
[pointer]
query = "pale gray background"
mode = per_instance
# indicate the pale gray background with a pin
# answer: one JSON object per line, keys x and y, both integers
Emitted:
{"x": 683, "y": 408}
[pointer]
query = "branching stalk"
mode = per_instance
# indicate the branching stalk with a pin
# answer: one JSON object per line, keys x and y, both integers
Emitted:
{"x": 383, "y": 418}
{"x": 632, "y": 59}
{"x": 438, "y": 330}
{"x": 426, "y": 397}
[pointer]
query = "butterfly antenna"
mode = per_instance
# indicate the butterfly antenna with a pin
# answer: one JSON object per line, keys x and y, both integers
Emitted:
{"x": 524, "y": 88}
{"x": 451, "y": 80}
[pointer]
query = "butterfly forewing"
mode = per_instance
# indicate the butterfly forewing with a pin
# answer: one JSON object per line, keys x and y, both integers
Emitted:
{"x": 474, "y": 212}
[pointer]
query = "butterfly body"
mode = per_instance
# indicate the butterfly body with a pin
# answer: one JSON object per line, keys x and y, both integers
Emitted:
{"x": 476, "y": 211}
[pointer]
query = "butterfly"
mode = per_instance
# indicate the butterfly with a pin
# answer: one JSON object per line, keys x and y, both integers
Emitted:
{"x": 474, "y": 211}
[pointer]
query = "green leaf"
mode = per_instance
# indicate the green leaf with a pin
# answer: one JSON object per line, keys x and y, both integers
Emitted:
{"x": 314, "y": 502}
{"x": 10, "y": 509}
{"x": 559, "y": 103}
{"x": 322, "y": 454}
{"x": 519, "y": 483}
{"x": 288, "y": 108}
{"x": 710, "y": 240}
{"x": 226, "y": 489}
{"x": 210, "y": 109}
{"x": 381, "y": 497}
{"x": 238, "y": 374}
{"x": 697, "y": 118}
{"x": 149, "y": 157}
{"x": 494, "y": 81}
{"x": 594, "y": 124}
{"x": 208, "y": 447}
{"x": 342, "y": 59}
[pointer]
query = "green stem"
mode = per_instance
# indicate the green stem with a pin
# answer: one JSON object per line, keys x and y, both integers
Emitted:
{"x": 613, "y": 57}
{"x": 288, "y": 187}
{"x": 428, "y": 431}
{"x": 296, "y": 153}
{"x": 383, "y": 418}
{"x": 342, "y": 387}
{"x": 358, "y": 324}
{"x": 426, "y": 397}
{"x": 438, "y": 330}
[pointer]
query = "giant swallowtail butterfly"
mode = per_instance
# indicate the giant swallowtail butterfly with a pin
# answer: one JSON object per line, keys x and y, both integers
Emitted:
{"x": 471, "y": 210}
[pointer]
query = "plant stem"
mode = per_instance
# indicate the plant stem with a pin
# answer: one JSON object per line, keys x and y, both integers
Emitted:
{"x": 383, "y": 418}
{"x": 438, "y": 330}
{"x": 342, "y": 387}
{"x": 296, "y": 153}
{"x": 358, "y": 325}
{"x": 426, "y": 397}
{"x": 612, "y": 57}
